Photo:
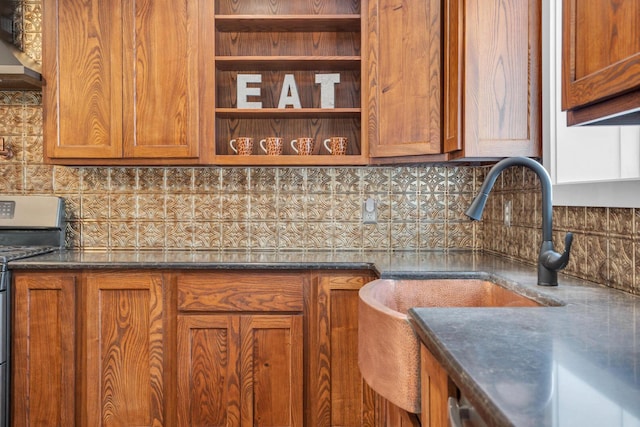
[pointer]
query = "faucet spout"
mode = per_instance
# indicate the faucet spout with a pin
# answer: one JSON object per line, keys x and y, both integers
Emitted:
{"x": 549, "y": 261}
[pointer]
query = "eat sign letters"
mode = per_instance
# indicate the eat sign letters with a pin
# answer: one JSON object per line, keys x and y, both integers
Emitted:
{"x": 289, "y": 94}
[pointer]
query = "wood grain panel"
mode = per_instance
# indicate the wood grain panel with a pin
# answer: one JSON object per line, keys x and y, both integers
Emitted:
{"x": 435, "y": 389}
{"x": 271, "y": 370}
{"x": 43, "y": 351}
{"x": 338, "y": 394}
{"x": 288, "y": 23}
{"x": 453, "y": 66}
{"x": 83, "y": 75}
{"x": 287, "y": 7}
{"x": 240, "y": 291}
{"x": 208, "y": 376}
{"x": 125, "y": 349}
{"x": 502, "y": 78}
{"x": 404, "y": 66}
{"x": 595, "y": 18}
{"x": 281, "y": 43}
{"x": 600, "y": 56}
{"x": 289, "y": 129}
{"x": 398, "y": 417}
{"x": 160, "y": 90}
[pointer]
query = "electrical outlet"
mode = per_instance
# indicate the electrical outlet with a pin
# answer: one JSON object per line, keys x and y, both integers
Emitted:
{"x": 370, "y": 211}
{"x": 507, "y": 213}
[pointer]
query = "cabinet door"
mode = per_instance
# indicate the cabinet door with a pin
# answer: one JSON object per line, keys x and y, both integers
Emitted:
{"x": 601, "y": 58}
{"x": 271, "y": 370}
{"x": 502, "y": 78}
{"x": 435, "y": 388}
{"x": 405, "y": 77}
{"x": 161, "y": 79}
{"x": 236, "y": 370}
{"x": 125, "y": 81}
{"x": 43, "y": 349}
{"x": 125, "y": 337}
{"x": 208, "y": 374}
{"x": 338, "y": 394}
{"x": 82, "y": 68}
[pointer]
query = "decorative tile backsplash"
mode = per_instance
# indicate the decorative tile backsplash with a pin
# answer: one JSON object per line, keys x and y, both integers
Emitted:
{"x": 606, "y": 244}
{"x": 314, "y": 208}
{"x": 265, "y": 208}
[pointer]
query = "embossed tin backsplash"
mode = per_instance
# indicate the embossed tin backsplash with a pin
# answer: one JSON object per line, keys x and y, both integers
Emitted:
{"x": 420, "y": 206}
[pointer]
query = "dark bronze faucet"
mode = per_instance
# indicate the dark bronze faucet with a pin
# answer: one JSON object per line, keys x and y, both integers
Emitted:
{"x": 549, "y": 261}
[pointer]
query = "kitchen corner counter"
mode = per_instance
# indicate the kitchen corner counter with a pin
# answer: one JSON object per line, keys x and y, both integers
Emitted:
{"x": 573, "y": 364}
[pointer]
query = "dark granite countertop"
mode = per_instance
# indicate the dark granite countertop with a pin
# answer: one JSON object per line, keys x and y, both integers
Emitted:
{"x": 572, "y": 364}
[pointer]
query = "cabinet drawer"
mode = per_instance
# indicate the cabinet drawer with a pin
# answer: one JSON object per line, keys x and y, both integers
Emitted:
{"x": 240, "y": 291}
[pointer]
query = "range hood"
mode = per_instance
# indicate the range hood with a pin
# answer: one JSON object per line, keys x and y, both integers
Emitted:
{"x": 17, "y": 70}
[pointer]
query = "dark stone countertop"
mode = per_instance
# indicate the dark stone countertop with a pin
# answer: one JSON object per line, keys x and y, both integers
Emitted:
{"x": 576, "y": 363}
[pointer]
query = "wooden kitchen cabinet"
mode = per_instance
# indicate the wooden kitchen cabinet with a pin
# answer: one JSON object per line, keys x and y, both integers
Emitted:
{"x": 405, "y": 77}
{"x": 190, "y": 347}
{"x": 240, "y": 370}
{"x": 126, "y": 341}
{"x": 338, "y": 395}
{"x": 297, "y": 40}
{"x": 452, "y": 80}
{"x": 43, "y": 349}
{"x": 419, "y": 81}
{"x": 236, "y": 367}
{"x": 91, "y": 349}
{"x": 126, "y": 82}
{"x": 435, "y": 389}
{"x": 600, "y": 62}
{"x": 502, "y": 79}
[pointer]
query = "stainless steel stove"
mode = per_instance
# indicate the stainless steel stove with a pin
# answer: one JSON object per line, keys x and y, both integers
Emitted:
{"x": 10, "y": 253}
{"x": 29, "y": 226}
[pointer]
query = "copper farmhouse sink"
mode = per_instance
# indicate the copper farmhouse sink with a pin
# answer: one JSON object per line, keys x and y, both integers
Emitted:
{"x": 388, "y": 348}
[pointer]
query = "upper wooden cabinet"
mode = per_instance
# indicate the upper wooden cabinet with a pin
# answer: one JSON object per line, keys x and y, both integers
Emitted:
{"x": 405, "y": 77}
{"x": 502, "y": 79}
{"x": 601, "y": 61}
{"x": 454, "y": 79}
{"x": 163, "y": 82}
{"x": 289, "y": 69}
{"x": 124, "y": 81}
{"x": 156, "y": 82}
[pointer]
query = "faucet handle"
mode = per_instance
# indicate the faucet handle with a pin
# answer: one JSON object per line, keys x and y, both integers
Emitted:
{"x": 553, "y": 260}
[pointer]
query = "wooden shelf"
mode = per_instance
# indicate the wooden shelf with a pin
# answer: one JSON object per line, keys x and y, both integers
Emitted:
{"x": 288, "y": 23}
{"x": 289, "y": 39}
{"x": 291, "y": 160}
{"x": 258, "y": 63}
{"x": 287, "y": 112}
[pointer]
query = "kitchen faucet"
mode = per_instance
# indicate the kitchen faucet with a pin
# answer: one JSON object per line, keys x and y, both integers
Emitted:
{"x": 549, "y": 261}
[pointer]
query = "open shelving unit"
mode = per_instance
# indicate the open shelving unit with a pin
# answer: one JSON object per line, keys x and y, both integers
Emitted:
{"x": 302, "y": 39}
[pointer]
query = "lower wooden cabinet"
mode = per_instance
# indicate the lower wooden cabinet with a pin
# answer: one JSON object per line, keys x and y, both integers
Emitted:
{"x": 125, "y": 347}
{"x": 90, "y": 349}
{"x": 435, "y": 389}
{"x": 189, "y": 348}
{"x": 43, "y": 368}
{"x": 240, "y": 348}
{"x": 240, "y": 370}
{"x": 338, "y": 395}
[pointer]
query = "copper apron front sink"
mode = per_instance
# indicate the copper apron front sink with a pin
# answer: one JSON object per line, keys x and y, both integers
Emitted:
{"x": 389, "y": 349}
